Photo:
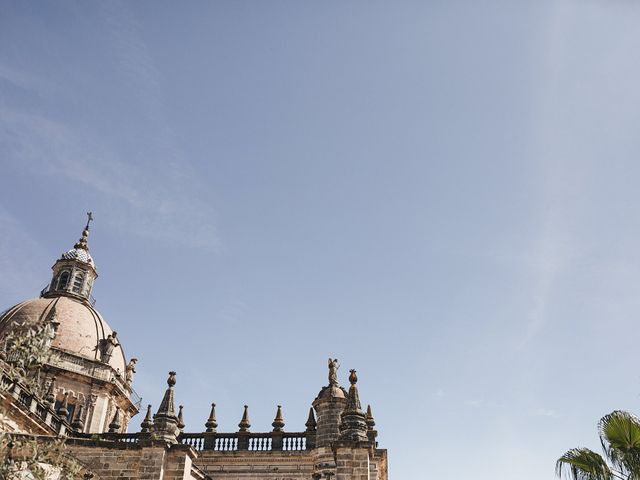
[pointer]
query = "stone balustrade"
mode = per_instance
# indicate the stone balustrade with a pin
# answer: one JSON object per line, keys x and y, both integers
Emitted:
{"x": 34, "y": 405}
{"x": 249, "y": 441}
{"x": 221, "y": 442}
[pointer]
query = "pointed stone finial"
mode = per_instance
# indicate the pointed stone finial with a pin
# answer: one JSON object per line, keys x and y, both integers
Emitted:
{"x": 212, "y": 424}
{"x": 311, "y": 421}
{"x": 114, "y": 426}
{"x": 353, "y": 425}
{"x": 167, "y": 406}
{"x": 63, "y": 409}
{"x": 147, "y": 423}
{"x": 181, "y": 424}
{"x": 370, "y": 421}
{"x": 353, "y": 400}
{"x": 244, "y": 423}
{"x": 166, "y": 422}
{"x": 278, "y": 422}
{"x": 83, "y": 243}
{"x": 78, "y": 423}
{"x": 50, "y": 397}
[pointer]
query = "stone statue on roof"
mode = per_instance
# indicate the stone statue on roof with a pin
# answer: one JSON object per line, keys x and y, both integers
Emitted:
{"x": 333, "y": 372}
{"x": 107, "y": 345}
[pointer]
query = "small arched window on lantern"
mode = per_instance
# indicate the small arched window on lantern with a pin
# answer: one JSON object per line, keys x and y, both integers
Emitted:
{"x": 78, "y": 281}
{"x": 89, "y": 286}
{"x": 63, "y": 280}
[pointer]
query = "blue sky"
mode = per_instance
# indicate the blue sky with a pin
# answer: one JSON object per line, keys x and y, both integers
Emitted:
{"x": 443, "y": 195}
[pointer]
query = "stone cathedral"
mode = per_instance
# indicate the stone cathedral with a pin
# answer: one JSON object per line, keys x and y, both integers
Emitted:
{"x": 83, "y": 392}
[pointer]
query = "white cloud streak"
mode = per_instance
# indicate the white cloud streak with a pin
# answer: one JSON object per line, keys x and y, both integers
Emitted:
{"x": 160, "y": 197}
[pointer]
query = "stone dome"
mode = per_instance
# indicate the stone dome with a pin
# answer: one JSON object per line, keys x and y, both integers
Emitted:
{"x": 332, "y": 391}
{"x": 80, "y": 331}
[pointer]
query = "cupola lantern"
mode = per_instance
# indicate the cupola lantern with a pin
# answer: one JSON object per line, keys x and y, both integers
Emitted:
{"x": 74, "y": 272}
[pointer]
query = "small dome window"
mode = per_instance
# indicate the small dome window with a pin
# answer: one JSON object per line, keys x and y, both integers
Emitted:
{"x": 63, "y": 281}
{"x": 78, "y": 281}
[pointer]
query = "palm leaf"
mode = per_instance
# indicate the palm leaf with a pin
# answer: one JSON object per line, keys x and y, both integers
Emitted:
{"x": 583, "y": 464}
{"x": 620, "y": 437}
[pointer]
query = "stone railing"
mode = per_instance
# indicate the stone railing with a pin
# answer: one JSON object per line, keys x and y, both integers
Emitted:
{"x": 91, "y": 300}
{"x": 119, "y": 438}
{"x": 255, "y": 442}
{"x": 94, "y": 369}
{"x": 34, "y": 405}
{"x": 221, "y": 442}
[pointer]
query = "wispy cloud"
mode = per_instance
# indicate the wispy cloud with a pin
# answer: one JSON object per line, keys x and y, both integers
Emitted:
{"x": 545, "y": 412}
{"x": 440, "y": 393}
{"x": 160, "y": 196}
{"x": 562, "y": 168}
{"x": 147, "y": 203}
{"x": 480, "y": 403}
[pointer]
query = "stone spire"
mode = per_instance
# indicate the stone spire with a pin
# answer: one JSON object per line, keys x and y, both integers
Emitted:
{"x": 115, "y": 425}
{"x": 166, "y": 421}
{"x": 50, "y": 397}
{"x": 181, "y": 424}
{"x": 147, "y": 423}
{"x": 78, "y": 423}
{"x": 370, "y": 421}
{"x": 372, "y": 433}
{"x": 353, "y": 425}
{"x": 278, "y": 422}
{"x": 244, "y": 423}
{"x": 212, "y": 424}
{"x": 168, "y": 406}
{"x": 83, "y": 243}
{"x": 311, "y": 421}
{"x": 63, "y": 409}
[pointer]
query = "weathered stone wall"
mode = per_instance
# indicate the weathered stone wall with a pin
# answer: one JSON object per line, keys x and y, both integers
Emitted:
{"x": 135, "y": 462}
{"x": 352, "y": 463}
{"x": 251, "y": 465}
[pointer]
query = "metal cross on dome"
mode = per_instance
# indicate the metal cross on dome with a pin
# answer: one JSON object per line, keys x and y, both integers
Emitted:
{"x": 89, "y": 219}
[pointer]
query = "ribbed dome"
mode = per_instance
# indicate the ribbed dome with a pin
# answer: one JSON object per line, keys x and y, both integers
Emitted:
{"x": 80, "y": 330}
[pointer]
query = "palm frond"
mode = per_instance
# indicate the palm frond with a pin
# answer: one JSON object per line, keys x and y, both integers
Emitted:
{"x": 620, "y": 437}
{"x": 583, "y": 464}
